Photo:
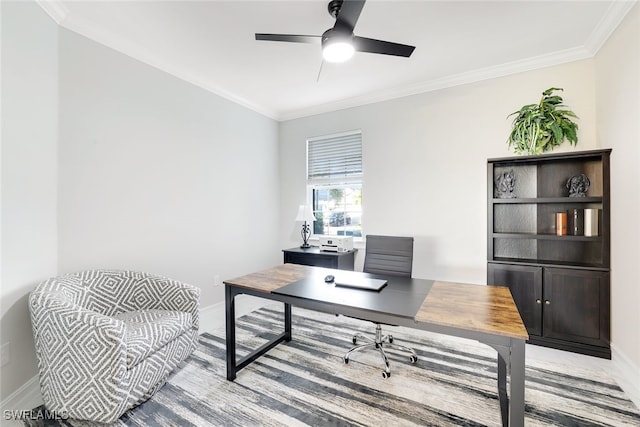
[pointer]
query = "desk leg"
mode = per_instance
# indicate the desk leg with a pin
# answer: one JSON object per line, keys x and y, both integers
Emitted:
{"x": 230, "y": 318}
{"x": 504, "y": 357}
{"x": 233, "y": 365}
{"x": 517, "y": 367}
{"x": 502, "y": 389}
{"x": 287, "y": 322}
{"x": 511, "y": 361}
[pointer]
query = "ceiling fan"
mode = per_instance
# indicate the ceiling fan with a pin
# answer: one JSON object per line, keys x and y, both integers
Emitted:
{"x": 339, "y": 43}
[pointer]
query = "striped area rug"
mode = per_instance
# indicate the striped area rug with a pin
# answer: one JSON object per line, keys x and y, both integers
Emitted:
{"x": 305, "y": 382}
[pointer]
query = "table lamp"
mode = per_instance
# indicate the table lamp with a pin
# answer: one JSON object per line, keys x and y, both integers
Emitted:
{"x": 306, "y": 216}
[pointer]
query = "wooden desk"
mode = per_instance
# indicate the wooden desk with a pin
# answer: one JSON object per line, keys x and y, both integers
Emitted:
{"x": 483, "y": 313}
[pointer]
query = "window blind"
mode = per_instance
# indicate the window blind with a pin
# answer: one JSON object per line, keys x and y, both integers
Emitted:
{"x": 335, "y": 156}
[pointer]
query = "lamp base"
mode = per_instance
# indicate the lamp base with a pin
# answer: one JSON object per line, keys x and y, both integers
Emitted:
{"x": 305, "y": 233}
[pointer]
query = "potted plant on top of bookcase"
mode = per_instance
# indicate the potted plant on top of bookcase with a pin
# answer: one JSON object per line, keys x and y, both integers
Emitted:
{"x": 543, "y": 126}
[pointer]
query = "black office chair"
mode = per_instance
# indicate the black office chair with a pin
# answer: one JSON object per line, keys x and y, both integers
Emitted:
{"x": 390, "y": 256}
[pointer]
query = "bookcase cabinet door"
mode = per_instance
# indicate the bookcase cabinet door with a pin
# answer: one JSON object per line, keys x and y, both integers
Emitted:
{"x": 576, "y": 306}
{"x": 525, "y": 283}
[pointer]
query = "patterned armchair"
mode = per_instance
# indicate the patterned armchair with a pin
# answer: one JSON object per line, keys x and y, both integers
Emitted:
{"x": 107, "y": 340}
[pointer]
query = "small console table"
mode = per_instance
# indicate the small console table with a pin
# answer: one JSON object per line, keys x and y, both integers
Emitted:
{"x": 315, "y": 257}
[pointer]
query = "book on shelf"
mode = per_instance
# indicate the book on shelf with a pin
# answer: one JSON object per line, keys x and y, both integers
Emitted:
{"x": 575, "y": 219}
{"x": 591, "y": 222}
{"x": 561, "y": 223}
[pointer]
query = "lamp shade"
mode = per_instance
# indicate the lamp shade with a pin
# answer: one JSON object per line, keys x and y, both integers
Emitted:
{"x": 305, "y": 214}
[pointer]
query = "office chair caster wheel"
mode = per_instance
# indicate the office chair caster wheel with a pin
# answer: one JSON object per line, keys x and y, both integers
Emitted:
{"x": 390, "y": 339}
{"x": 386, "y": 374}
{"x": 346, "y": 360}
{"x": 413, "y": 358}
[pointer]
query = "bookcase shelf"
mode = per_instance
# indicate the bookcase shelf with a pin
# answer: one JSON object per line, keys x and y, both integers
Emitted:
{"x": 560, "y": 200}
{"x": 549, "y": 263}
{"x": 547, "y": 237}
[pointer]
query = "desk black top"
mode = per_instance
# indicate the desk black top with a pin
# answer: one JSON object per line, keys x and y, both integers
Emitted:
{"x": 401, "y": 297}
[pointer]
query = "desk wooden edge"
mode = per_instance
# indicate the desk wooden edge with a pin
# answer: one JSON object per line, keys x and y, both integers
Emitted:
{"x": 488, "y": 309}
{"x": 274, "y": 278}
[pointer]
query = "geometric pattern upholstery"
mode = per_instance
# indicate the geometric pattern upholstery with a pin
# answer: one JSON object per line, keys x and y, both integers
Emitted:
{"x": 148, "y": 330}
{"x": 106, "y": 340}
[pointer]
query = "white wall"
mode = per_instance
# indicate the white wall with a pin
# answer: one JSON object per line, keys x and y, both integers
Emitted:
{"x": 617, "y": 67}
{"x": 425, "y": 162}
{"x": 110, "y": 163}
{"x": 159, "y": 175}
{"x": 29, "y": 176}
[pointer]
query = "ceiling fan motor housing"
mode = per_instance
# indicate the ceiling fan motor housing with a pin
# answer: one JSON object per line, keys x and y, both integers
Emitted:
{"x": 335, "y": 34}
{"x": 334, "y": 7}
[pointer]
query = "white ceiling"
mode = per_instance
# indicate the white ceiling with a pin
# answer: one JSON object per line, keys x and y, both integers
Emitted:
{"x": 211, "y": 44}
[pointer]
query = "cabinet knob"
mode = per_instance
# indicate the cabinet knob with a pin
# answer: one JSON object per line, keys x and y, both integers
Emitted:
{"x": 547, "y": 302}
{"x": 538, "y": 301}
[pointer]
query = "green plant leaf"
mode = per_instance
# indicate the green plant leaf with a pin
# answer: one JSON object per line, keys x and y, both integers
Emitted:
{"x": 551, "y": 90}
{"x": 554, "y": 100}
{"x": 557, "y": 131}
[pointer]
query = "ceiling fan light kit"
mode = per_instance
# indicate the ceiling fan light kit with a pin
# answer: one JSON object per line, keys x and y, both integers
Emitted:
{"x": 339, "y": 43}
{"x": 337, "y": 49}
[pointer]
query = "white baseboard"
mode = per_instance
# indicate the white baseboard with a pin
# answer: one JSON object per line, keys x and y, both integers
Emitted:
{"x": 25, "y": 398}
{"x": 628, "y": 377}
{"x": 212, "y": 316}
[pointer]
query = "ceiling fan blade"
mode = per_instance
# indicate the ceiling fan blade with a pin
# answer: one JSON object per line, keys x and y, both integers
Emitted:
{"x": 348, "y": 15}
{"x": 363, "y": 44}
{"x": 294, "y": 38}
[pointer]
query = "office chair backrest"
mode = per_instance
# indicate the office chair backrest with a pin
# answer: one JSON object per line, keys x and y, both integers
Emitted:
{"x": 390, "y": 255}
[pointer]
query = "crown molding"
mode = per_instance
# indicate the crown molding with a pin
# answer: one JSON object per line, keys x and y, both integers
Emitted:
{"x": 609, "y": 22}
{"x": 528, "y": 64}
{"x": 55, "y": 9}
{"x": 607, "y": 25}
{"x": 59, "y": 13}
{"x": 141, "y": 54}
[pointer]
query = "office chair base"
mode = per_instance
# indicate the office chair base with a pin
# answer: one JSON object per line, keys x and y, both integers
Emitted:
{"x": 380, "y": 343}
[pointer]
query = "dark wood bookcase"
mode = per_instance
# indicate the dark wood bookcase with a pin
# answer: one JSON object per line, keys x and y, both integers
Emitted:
{"x": 560, "y": 283}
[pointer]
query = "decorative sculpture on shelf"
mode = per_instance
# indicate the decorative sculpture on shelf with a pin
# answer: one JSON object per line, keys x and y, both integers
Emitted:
{"x": 578, "y": 185}
{"x": 504, "y": 184}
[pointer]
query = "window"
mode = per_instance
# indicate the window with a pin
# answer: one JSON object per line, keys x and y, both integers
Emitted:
{"x": 334, "y": 182}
